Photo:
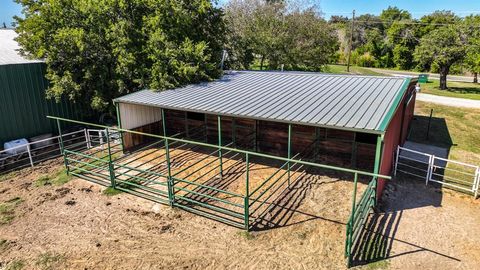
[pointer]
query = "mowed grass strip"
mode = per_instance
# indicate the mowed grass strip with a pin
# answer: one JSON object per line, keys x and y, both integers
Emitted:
{"x": 342, "y": 69}
{"x": 455, "y": 89}
{"x": 453, "y": 128}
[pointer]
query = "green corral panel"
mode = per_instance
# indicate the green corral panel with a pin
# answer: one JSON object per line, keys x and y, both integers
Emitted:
{"x": 23, "y": 105}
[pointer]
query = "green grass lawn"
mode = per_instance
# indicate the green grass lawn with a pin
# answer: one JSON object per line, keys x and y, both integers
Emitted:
{"x": 455, "y": 89}
{"x": 341, "y": 69}
{"x": 451, "y": 127}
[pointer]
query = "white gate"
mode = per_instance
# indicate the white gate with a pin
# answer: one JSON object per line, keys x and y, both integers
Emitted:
{"x": 454, "y": 174}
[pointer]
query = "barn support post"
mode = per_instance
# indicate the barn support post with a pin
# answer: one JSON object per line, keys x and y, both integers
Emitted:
{"x": 289, "y": 150}
{"x": 316, "y": 149}
{"x": 354, "y": 151}
{"x": 234, "y": 133}
{"x": 62, "y": 148}
{"x": 247, "y": 194}
{"x": 219, "y": 122}
{"x": 255, "y": 128}
{"x": 378, "y": 155}
{"x": 110, "y": 164}
{"x": 206, "y": 127}
{"x": 186, "y": 125}
{"x": 119, "y": 124}
{"x": 171, "y": 198}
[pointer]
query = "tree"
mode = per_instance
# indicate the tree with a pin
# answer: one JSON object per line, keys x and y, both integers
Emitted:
{"x": 278, "y": 34}
{"x": 393, "y": 14}
{"x": 443, "y": 47}
{"x": 402, "y": 40}
{"x": 98, "y": 50}
{"x": 309, "y": 42}
{"x": 437, "y": 19}
{"x": 472, "y": 56}
{"x": 255, "y": 29}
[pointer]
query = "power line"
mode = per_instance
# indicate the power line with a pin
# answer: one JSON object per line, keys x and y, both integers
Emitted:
{"x": 420, "y": 12}
{"x": 405, "y": 22}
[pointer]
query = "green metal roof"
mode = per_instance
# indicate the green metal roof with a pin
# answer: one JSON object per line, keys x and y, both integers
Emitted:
{"x": 349, "y": 102}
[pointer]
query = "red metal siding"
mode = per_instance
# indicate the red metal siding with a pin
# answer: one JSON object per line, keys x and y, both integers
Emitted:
{"x": 408, "y": 117}
{"x": 395, "y": 134}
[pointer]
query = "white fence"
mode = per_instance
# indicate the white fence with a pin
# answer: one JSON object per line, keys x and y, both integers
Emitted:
{"x": 451, "y": 173}
{"x": 35, "y": 152}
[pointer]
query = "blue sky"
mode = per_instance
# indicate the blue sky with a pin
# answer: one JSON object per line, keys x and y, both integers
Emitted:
{"x": 418, "y": 8}
{"x": 7, "y": 10}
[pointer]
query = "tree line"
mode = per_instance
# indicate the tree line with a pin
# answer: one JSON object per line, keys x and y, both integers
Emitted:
{"x": 98, "y": 50}
{"x": 437, "y": 42}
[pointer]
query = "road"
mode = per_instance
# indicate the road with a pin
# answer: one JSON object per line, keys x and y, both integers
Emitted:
{"x": 449, "y": 101}
{"x": 401, "y": 73}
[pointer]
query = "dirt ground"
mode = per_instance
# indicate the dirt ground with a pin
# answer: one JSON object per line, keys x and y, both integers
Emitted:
{"x": 76, "y": 226}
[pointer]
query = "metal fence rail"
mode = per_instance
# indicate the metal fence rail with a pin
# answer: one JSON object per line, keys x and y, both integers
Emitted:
{"x": 32, "y": 153}
{"x": 450, "y": 173}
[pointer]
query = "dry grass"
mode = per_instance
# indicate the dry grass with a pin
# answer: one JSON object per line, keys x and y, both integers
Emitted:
{"x": 307, "y": 228}
{"x": 457, "y": 129}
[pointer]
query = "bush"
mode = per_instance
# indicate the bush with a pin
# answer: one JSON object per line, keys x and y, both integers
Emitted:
{"x": 366, "y": 60}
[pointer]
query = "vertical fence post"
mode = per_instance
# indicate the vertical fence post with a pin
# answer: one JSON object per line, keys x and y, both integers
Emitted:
{"x": 170, "y": 183}
{"x": 351, "y": 222}
{"x": 100, "y": 136}
{"x": 62, "y": 149}
{"x": 476, "y": 184}
{"x": 29, "y": 154}
{"x": 431, "y": 165}
{"x": 247, "y": 194}
{"x": 87, "y": 138}
{"x": 289, "y": 147}
{"x": 219, "y": 122}
{"x": 110, "y": 164}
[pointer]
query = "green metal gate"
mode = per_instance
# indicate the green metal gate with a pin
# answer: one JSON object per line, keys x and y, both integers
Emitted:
{"x": 358, "y": 217}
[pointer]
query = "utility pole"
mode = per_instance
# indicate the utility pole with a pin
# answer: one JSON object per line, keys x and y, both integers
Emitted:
{"x": 351, "y": 40}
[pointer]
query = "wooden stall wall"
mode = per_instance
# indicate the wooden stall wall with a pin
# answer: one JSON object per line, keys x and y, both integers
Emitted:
{"x": 133, "y": 141}
{"x": 327, "y": 146}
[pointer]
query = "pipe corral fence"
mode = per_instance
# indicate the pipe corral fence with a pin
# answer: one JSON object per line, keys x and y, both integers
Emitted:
{"x": 203, "y": 178}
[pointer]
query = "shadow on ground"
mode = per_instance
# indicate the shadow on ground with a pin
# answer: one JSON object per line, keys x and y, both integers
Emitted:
{"x": 379, "y": 234}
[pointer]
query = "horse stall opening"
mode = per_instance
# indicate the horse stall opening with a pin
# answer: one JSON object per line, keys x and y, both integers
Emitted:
{"x": 342, "y": 148}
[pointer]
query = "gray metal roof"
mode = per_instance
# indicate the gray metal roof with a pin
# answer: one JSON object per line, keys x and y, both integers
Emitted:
{"x": 9, "y": 53}
{"x": 361, "y": 103}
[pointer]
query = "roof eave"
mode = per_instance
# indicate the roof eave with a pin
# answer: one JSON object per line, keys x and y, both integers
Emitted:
{"x": 369, "y": 131}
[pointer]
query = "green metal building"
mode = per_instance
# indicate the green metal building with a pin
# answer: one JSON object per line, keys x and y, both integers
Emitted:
{"x": 23, "y": 105}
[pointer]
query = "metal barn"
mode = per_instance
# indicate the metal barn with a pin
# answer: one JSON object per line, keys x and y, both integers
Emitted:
{"x": 355, "y": 121}
{"x": 202, "y": 147}
{"x": 22, "y": 93}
